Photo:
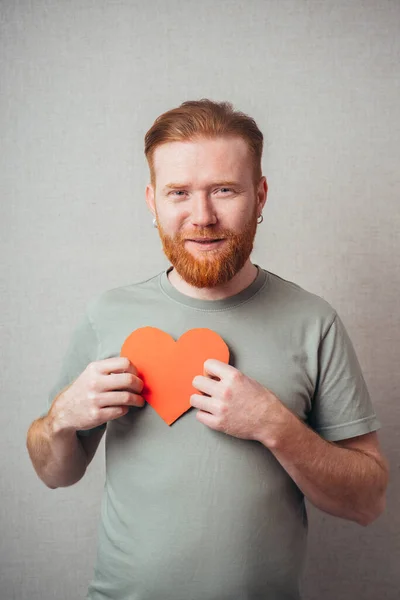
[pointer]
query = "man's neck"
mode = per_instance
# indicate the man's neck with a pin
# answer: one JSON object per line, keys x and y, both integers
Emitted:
{"x": 239, "y": 282}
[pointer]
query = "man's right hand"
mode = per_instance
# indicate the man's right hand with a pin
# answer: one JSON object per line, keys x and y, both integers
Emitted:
{"x": 103, "y": 392}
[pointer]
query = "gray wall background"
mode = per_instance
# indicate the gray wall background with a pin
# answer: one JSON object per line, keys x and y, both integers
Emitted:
{"x": 81, "y": 82}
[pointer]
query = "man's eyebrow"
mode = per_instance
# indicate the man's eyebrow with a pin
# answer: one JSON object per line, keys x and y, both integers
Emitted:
{"x": 227, "y": 183}
{"x": 175, "y": 186}
{"x": 180, "y": 186}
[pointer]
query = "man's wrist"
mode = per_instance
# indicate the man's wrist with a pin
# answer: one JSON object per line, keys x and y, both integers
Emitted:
{"x": 276, "y": 426}
{"x": 55, "y": 427}
{"x": 55, "y": 420}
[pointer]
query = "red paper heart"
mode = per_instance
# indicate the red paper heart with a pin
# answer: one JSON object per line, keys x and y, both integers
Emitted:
{"x": 168, "y": 368}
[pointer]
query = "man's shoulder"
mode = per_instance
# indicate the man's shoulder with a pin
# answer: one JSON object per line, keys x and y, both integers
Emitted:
{"x": 296, "y": 299}
{"x": 117, "y": 297}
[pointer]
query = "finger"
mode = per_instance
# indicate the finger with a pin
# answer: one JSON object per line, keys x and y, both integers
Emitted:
{"x": 203, "y": 403}
{"x": 131, "y": 369}
{"x": 122, "y": 398}
{"x": 116, "y": 364}
{"x": 215, "y": 367}
{"x": 122, "y": 381}
{"x": 111, "y": 413}
{"x": 205, "y": 384}
{"x": 207, "y": 419}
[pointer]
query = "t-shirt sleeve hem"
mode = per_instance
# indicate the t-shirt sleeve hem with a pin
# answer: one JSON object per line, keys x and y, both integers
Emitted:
{"x": 335, "y": 433}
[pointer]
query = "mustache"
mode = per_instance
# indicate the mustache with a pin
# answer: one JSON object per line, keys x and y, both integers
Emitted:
{"x": 208, "y": 235}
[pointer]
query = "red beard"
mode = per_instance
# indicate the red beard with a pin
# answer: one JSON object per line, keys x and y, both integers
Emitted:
{"x": 216, "y": 267}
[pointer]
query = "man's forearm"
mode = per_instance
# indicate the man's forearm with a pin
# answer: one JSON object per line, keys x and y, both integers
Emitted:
{"x": 57, "y": 455}
{"x": 343, "y": 482}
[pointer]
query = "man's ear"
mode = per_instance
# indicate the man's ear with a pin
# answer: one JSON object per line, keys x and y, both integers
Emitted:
{"x": 262, "y": 192}
{"x": 150, "y": 198}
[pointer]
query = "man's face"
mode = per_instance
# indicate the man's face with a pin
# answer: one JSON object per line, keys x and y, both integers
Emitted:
{"x": 207, "y": 206}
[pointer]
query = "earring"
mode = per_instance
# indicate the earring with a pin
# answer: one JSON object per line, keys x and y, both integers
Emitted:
{"x": 155, "y": 223}
{"x": 261, "y": 219}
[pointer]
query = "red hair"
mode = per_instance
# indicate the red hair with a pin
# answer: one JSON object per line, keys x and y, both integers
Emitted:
{"x": 204, "y": 118}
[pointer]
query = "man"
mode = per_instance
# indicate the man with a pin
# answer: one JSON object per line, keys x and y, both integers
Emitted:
{"x": 212, "y": 507}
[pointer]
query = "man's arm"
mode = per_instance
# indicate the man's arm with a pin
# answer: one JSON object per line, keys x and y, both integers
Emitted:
{"x": 57, "y": 454}
{"x": 346, "y": 479}
{"x": 103, "y": 392}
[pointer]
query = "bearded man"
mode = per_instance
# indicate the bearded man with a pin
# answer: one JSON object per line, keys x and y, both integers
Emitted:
{"x": 212, "y": 506}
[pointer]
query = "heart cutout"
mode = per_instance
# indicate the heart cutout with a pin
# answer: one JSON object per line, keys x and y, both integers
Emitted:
{"x": 168, "y": 367}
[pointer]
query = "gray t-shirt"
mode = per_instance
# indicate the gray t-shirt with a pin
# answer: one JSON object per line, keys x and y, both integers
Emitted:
{"x": 190, "y": 513}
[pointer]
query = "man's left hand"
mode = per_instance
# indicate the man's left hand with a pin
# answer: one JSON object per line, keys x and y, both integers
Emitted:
{"x": 235, "y": 404}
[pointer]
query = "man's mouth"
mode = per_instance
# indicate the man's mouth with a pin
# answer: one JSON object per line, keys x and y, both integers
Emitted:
{"x": 206, "y": 244}
{"x": 205, "y": 240}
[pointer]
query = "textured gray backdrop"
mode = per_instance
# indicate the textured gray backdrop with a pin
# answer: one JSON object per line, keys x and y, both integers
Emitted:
{"x": 81, "y": 82}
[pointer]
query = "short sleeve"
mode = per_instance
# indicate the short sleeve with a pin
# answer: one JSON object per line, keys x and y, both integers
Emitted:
{"x": 341, "y": 406}
{"x": 82, "y": 350}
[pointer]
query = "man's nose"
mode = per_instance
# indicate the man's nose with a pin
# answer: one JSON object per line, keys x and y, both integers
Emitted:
{"x": 203, "y": 211}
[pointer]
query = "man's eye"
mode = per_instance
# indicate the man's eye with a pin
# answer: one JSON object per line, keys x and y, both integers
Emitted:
{"x": 177, "y": 192}
{"x": 225, "y": 190}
